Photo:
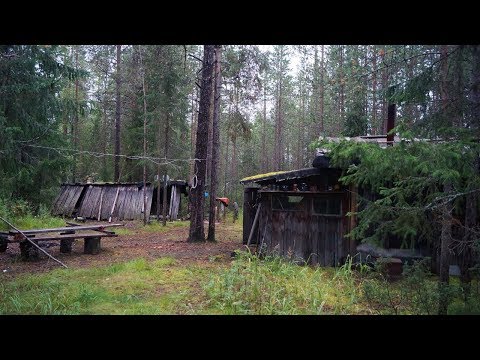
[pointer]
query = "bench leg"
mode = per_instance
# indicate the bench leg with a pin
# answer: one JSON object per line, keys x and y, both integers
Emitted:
{"x": 3, "y": 244}
{"x": 66, "y": 246}
{"x": 28, "y": 251}
{"x": 92, "y": 246}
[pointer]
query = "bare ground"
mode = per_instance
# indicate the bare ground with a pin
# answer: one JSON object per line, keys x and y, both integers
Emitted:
{"x": 141, "y": 243}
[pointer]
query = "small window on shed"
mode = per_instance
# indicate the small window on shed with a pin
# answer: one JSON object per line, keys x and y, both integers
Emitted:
{"x": 327, "y": 206}
{"x": 287, "y": 203}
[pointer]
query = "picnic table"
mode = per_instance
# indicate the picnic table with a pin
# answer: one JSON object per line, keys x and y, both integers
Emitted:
{"x": 91, "y": 234}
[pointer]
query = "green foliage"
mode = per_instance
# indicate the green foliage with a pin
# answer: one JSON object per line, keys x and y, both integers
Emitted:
{"x": 407, "y": 181}
{"x": 134, "y": 287}
{"x": 417, "y": 293}
{"x": 21, "y": 214}
{"x": 276, "y": 286}
{"x": 30, "y": 114}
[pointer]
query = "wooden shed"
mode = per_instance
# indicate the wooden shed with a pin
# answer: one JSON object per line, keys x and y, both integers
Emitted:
{"x": 120, "y": 201}
{"x": 301, "y": 214}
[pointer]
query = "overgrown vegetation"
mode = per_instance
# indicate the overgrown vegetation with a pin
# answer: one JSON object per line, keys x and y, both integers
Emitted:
{"x": 276, "y": 286}
{"x": 248, "y": 285}
{"x": 134, "y": 287}
{"x": 23, "y": 217}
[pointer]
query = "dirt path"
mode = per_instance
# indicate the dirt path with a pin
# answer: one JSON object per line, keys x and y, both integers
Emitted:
{"x": 140, "y": 243}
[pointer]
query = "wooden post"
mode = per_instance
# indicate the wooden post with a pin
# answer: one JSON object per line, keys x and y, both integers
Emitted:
{"x": 3, "y": 243}
{"x": 114, "y": 203}
{"x": 92, "y": 245}
{"x": 164, "y": 202}
{"x": 100, "y": 207}
{"x": 66, "y": 244}
{"x": 158, "y": 194}
{"x": 27, "y": 250}
{"x": 249, "y": 200}
{"x": 254, "y": 224}
{"x": 172, "y": 203}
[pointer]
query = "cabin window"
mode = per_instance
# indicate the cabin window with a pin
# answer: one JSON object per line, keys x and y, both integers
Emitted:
{"x": 327, "y": 206}
{"x": 285, "y": 202}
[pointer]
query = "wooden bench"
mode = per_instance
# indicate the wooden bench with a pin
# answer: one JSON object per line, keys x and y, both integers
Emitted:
{"x": 91, "y": 234}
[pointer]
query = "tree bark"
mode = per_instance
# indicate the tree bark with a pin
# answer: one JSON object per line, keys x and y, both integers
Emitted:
{"x": 342, "y": 96}
{"x": 116, "y": 171}
{"x": 383, "y": 120}
{"x": 446, "y": 235}
{"x": 144, "y": 141}
{"x": 322, "y": 90}
{"x": 210, "y": 131}
{"x": 165, "y": 152}
{"x": 197, "y": 198}
{"x": 215, "y": 142}
{"x": 445, "y": 240}
{"x": 75, "y": 119}
{"x": 374, "y": 91}
{"x": 264, "y": 128}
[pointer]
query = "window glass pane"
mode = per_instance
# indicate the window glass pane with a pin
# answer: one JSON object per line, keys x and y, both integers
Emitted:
{"x": 288, "y": 203}
{"x": 327, "y": 206}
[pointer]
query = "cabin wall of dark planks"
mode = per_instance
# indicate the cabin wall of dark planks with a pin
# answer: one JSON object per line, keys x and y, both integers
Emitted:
{"x": 304, "y": 236}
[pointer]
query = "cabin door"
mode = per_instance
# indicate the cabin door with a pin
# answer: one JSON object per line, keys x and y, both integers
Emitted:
{"x": 326, "y": 229}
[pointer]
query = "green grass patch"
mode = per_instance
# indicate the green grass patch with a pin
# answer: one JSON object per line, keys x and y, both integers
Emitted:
{"x": 28, "y": 222}
{"x": 155, "y": 226}
{"x": 276, "y": 286}
{"x": 135, "y": 287}
{"x": 247, "y": 285}
{"x": 123, "y": 231}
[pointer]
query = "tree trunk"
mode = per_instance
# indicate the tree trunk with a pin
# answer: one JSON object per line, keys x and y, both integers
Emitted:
{"x": 197, "y": 198}
{"x": 210, "y": 133}
{"x": 342, "y": 94}
{"x": 466, "y": 252}
{"x": 445, "y": 240}
{"x": 193, "y": 130}
{"x": 280, "y": 143}
{"x": 322, "y": 91}
{"x": 383, "y": 120}
{"x": 215, "y": 143}
{"x": 116, "y": 172}
{"x": 446, "y": 234}
{"x": 144, "y": 141}
{"x": 75, "y": 120}
{"x": 374, "y": 91}
{"x": 165, "y": 152}
{"x": 264, "y": 128}
{"x": 475, "y": 90}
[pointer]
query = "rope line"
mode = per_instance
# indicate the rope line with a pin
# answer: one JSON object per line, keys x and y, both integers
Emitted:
{"x": 156, "y": 160}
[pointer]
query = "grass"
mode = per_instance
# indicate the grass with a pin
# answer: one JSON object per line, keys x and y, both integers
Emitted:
{"x": 155, "y": 226}
{"x": 274, "y": 286}
{"x": 246, "y": 286}
{"x": 164, "y": 286}
{"x": 134, "y": 287}
{"x": 29, "y": 221}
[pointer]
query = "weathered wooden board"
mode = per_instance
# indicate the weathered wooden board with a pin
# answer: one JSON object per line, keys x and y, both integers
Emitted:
{"x": 67, "y": 200}
{"x": 301, "y": 235}
{"x": 94, "y": 199}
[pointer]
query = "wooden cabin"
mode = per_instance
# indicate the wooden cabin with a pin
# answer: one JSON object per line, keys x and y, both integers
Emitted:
{"x": 119, "y": 201}
{"x": 300, "y": 214}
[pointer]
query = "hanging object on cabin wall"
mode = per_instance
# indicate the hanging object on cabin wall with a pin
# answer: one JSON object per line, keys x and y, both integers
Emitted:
{"x": 194, "y": 182}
